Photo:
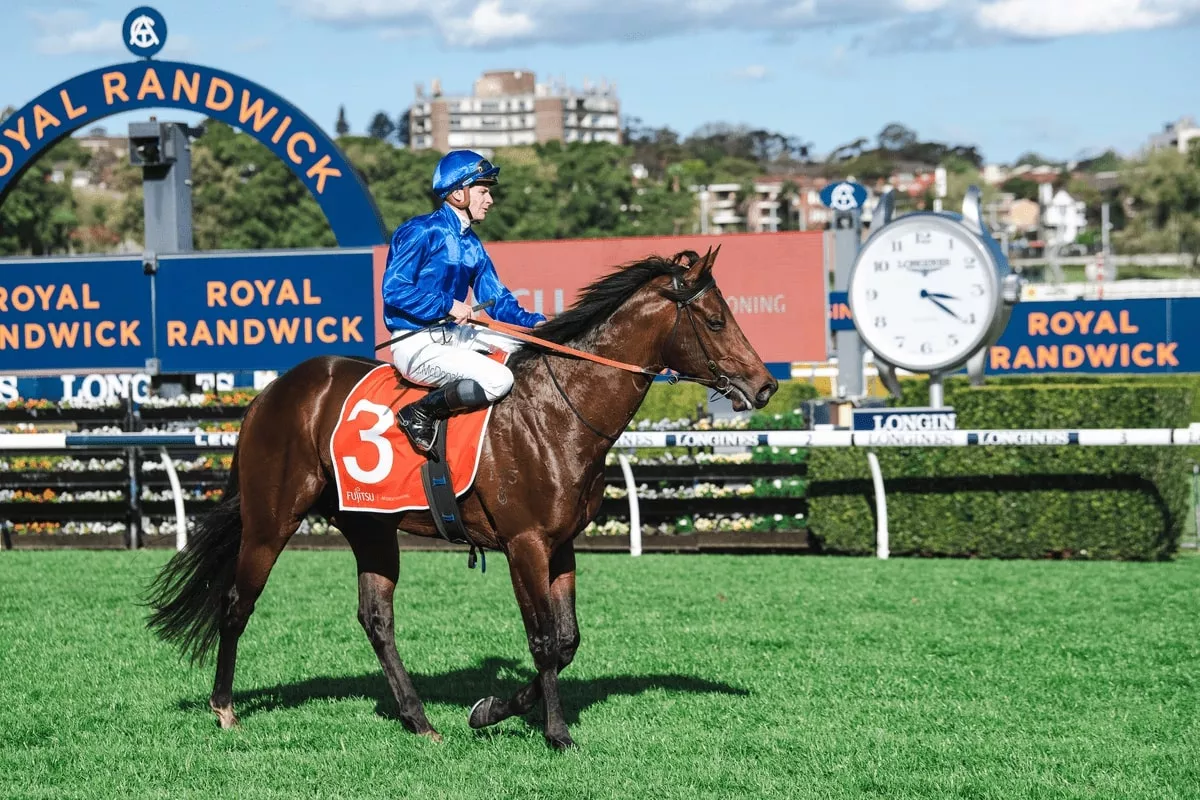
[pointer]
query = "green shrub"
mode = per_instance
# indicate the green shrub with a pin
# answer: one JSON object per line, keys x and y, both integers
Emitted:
{"x": 1019, "y": 502}
{"x": 667, "y": 401}
{"x": 783, "y": 412}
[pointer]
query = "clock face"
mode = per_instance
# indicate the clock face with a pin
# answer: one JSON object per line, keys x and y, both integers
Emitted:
{"x": 923, "y": 293}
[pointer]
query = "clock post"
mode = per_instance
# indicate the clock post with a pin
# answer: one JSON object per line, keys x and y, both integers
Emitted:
{"x": 846, "y": 199}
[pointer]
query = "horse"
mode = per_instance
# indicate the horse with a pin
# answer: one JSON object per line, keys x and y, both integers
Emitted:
{"x": 540, "y": 480}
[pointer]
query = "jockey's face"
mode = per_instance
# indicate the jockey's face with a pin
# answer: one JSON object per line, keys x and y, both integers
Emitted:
{"x": 480, "y": 200}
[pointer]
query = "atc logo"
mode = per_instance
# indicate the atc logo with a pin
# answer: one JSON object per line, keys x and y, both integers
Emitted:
{"x": 144, "y": 32}
{"x": 844, "y": 196}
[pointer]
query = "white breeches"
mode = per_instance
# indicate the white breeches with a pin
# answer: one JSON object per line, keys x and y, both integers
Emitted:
{"x": 448, "y": 353}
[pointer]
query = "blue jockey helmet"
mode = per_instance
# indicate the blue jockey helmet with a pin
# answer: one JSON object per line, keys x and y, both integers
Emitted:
{"x": 460, "y": 169}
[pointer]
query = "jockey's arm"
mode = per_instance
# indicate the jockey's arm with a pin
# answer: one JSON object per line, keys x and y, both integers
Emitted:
{"x": 411, "y": 252}
{"x": 487, "y": 286}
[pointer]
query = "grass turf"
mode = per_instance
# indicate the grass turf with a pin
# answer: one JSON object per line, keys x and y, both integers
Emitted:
{"x": 699, "y": 676}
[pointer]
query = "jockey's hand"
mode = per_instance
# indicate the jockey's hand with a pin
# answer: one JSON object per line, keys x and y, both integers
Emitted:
{"x": 461, "y": 312}
{"x": 539, "y": 324}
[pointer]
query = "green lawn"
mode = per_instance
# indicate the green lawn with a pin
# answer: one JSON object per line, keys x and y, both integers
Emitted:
{"x": 699, "y": 676}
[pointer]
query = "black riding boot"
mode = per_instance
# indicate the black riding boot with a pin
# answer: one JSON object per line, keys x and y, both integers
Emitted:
{"x": 419, "y": 420}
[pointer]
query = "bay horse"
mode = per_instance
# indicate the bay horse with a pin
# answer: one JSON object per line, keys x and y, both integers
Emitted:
{"x": 540, "y": 480}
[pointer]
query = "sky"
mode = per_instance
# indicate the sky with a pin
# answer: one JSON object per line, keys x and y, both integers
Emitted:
{"x": 1065, "y": 78}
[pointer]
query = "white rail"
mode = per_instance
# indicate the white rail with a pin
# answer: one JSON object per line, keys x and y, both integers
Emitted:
{"x": 1039, "y": 437}
{"x": 1047, "y": 437}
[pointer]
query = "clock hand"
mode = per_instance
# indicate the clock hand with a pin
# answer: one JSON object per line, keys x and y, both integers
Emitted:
{"x": 926, "y": 293}
{"x": 931, "y": 297}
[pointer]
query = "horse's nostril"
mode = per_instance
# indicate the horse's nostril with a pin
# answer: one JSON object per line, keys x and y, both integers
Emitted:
{"x": 764, "y": 394}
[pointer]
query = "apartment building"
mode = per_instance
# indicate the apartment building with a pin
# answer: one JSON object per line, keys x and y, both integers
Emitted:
{"x": 508, "y": 108}
{"x": 1176, "y": 135}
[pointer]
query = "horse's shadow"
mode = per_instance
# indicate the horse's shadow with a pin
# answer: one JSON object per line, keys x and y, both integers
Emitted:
{"x": 501, "y": 677}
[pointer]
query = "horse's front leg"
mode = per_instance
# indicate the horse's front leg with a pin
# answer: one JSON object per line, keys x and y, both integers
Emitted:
{"x": 491, "y": 710}
{"x": 529, "y": 566}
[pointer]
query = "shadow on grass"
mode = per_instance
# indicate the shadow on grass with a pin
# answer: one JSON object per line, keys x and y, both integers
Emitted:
{"x": 501, "y": 677}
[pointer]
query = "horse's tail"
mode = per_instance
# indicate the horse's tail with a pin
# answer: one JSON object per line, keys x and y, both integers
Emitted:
{"x": 188, "y": 595}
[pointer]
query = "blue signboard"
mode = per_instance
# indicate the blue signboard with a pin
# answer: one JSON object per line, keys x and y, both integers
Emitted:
{"x": 1100, "y": 336}
{"x": 844, "y": 196}
{"x": 144, "y": 31}
{"x": 904, "y": 419}
{"x": 263, "y": 311}
{"x": 68, "y": 314}
{"x": 840, "y": 316}
{"x": 286, "y": 131}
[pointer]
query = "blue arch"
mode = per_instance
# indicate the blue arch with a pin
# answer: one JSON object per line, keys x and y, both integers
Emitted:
{"x": 286, "y": 131}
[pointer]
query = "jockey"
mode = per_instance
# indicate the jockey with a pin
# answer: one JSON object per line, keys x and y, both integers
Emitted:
{"x": 432, "y": 261}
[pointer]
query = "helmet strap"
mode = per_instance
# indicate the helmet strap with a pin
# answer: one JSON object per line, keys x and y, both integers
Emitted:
{"x": 464, "y": 204}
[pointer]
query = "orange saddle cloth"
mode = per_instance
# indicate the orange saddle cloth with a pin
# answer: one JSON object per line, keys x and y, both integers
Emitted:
{"x": 375, "y": 466}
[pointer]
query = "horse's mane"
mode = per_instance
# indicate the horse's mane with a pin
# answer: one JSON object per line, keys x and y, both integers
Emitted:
{"x": 600, "y": 299}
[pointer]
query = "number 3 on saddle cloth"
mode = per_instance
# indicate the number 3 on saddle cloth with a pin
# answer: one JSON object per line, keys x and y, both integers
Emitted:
{"x": 376, "y": 468}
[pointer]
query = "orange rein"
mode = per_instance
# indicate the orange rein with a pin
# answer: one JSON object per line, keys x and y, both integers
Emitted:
{"x": 524, "y": 335}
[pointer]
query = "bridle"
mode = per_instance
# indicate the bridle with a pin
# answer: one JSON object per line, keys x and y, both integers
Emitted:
{"x": 719, "y": 383}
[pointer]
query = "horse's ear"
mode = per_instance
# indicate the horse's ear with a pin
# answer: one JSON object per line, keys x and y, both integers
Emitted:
{"x": 699, "y": 265}
{"x": 705, "y": 264}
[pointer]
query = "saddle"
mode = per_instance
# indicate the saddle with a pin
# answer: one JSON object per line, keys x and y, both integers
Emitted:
{"x": 377, "y": 470}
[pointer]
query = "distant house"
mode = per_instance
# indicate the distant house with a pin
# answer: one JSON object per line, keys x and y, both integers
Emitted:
{"x": 1063, "y": 216}
{"x": 1022, "y": 216}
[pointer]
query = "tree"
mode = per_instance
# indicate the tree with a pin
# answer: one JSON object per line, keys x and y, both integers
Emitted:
{"x": 244, "y": 198}
{"x": 342, "y": 126}
{"x": 848, "y": 151}
{"x": 1021, "y": 188}
{"x": 1033, "y": 160}
{"x": 38, "y": 215}
{"x": 1164, "y": 197}
{"x": 1108, "y": 161}
{"x": 402, "y": 125}
{"x": 896, "y": 137}
{"x": 789, "y": 206}
{"x": 381, "y": 127}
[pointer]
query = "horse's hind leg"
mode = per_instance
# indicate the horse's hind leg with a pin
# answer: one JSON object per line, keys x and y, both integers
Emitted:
{"x": 266, "y": 528}
{"x": 378, "y": 557}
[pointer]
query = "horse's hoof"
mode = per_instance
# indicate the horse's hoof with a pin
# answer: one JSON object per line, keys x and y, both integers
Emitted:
{"x": 484, "y": 713}
{"x": 227, "y": 718}
{"x": 432, "y": 735}
{"x": 561, "y": 742}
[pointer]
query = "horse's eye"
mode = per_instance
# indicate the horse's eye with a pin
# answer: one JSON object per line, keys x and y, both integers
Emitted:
{"x": 715, "y": 324}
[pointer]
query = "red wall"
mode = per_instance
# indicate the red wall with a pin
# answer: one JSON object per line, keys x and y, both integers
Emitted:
{"x": 772, "y": 281}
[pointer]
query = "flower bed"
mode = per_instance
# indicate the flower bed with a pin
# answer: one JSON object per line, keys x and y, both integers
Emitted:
{"x": 760, "y": 523}
{"x": 45, "y": 463}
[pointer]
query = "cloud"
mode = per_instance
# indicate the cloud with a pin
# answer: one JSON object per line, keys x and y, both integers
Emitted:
{"x": 752, "y": 72}
{"x": 67, "y": 32}
{"x": 1038, "y": 19}
{"x": 878, "y": 26}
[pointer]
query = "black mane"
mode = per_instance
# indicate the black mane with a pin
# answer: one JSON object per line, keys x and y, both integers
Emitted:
{"x": 600, "y": 299}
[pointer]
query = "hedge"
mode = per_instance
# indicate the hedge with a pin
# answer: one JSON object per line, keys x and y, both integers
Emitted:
{"x": 667, "y": 401}
{"x": 1019, "y": 502}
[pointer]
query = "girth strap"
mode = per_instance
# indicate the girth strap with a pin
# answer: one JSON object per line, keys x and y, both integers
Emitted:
{"x": 443, "y": 505}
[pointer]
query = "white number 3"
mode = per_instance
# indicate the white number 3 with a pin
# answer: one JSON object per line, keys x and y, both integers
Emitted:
{"x": 374, "y": 435}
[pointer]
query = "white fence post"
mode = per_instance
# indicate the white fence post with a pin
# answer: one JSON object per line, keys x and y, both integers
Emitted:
{"x": 635, "y": 513}
{"x": 881, "y": 522}
{"x": 177, "y": 494}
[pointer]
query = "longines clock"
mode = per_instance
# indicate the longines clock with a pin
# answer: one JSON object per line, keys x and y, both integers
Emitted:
{"x": 929, "y": 291}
